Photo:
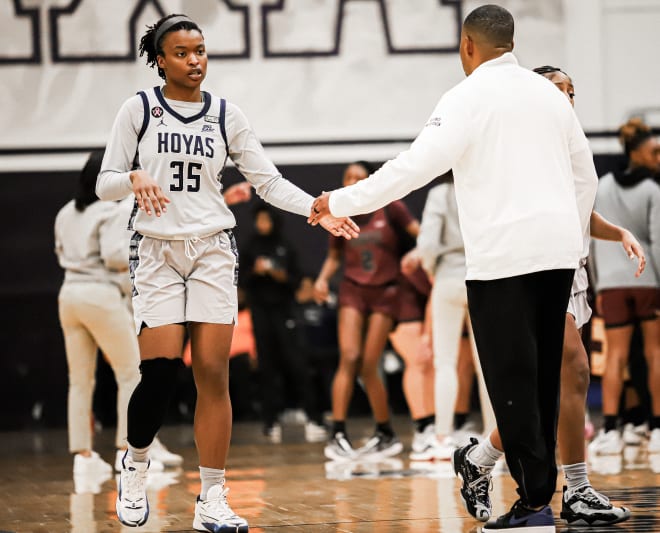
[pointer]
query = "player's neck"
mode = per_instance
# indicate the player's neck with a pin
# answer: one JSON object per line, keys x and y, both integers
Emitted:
{"x": 183, "y": 94}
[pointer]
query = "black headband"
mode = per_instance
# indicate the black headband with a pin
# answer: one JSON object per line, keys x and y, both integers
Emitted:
{"x": 165, "y": 26}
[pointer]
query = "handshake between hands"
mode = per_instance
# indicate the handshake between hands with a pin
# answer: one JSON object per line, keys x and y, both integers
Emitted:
{"x": 339, "y": 227}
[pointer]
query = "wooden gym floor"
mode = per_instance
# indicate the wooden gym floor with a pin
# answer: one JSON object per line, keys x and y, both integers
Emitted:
{"x": 285, "y": 487}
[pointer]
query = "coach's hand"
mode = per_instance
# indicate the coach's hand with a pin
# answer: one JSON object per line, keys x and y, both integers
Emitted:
{"x": 320, "y": 208}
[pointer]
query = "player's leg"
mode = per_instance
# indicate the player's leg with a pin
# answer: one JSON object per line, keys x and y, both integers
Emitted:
{"x": 350, "y": 324}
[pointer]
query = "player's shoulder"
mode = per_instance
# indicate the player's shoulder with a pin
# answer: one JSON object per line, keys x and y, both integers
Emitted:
{"x": 135, "y": 102}
{"x": 233, "y": 108}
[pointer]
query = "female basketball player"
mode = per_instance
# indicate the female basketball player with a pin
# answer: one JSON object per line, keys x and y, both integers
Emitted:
{"x": 631, "y": 197}
{"x": 183, "y": 257}
{"x": 581, "y": 503}
{"x": 367, "y": 312}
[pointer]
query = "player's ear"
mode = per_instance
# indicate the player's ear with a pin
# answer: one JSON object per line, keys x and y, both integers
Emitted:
{"x": 160, "y": 61}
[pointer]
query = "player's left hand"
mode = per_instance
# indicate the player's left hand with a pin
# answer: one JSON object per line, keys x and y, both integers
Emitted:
{"x": 634, "y": 249}
{"x": 339, "y": 227}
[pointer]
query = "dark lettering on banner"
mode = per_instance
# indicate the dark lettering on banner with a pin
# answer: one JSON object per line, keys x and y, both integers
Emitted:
{"x": 392, "y": 49}
{"x": 32, "y": 13}
{"x": 58, "y": 15}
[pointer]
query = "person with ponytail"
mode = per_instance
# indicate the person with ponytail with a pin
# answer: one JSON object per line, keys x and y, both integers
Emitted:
{"x": 168, "y": 146}
{"x": 630, "y": 197}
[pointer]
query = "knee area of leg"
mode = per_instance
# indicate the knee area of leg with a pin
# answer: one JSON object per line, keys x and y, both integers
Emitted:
{"x": 349, "y": 360}
{"x": 159, "y": 372}
{"x": 576, "y": 374}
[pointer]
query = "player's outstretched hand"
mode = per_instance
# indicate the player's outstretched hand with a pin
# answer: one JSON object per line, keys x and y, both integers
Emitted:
{"x": 339, "y": 227}
{"x": 150, "y": 197}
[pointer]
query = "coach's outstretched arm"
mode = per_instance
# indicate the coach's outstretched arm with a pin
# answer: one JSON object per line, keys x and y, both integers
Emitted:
{"x": 433, "y": 153}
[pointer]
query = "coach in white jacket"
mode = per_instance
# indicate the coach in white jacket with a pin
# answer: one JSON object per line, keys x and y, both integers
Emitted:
{"x": 525, "y": 186}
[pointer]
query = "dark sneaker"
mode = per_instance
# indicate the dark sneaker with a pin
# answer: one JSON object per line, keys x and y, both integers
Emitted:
{"x": 339, "y": 448}
{"x": 476, "y": 482}
{"x": 523, "y": 519}
{"x": 381, "y": 445}
{"x": 588, "y": 507}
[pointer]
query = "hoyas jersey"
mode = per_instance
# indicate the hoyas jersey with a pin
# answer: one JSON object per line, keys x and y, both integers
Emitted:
{"x": 186, "y": 156}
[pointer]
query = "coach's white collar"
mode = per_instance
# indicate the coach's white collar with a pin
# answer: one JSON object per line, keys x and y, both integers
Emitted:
{"x": 504, "y": 59}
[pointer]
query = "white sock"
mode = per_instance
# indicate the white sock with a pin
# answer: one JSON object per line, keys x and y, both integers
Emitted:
{"x": 484, "y": 454}
{"x": 210, "y": 477}
{"x": 576, "y": 477}
{"x": 138, "y": 455}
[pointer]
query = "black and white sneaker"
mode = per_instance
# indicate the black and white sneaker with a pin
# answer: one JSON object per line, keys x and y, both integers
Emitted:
{"x": 477, "y": 482}
{"x": 380, "y": 446}
{"x": 588, "y": 507}
{"x": 339, "y": 448}
{"x": 524, "y": 520}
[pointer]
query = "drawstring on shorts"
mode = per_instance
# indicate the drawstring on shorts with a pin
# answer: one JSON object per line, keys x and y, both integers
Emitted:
{"x": 191, "y": 251}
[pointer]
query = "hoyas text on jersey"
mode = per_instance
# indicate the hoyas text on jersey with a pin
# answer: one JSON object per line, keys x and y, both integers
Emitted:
{"x": 189, "y": 144}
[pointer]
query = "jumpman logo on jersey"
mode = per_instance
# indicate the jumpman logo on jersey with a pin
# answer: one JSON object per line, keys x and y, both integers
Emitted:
{"x": 161, "y": 123}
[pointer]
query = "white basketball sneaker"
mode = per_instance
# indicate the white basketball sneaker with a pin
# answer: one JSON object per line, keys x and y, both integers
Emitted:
{"x": 654, "y": 441}
{"x": 132, "y": 505}
{"x": 214, "y": 514}
{"x": 158, "y": 452}
{"x": 315, "y": 432}
{"x": 634, "y": 435}
{"x": 427, "y": 447}
{"x": 606, "y": 443}
{"x": 90, "y": 465}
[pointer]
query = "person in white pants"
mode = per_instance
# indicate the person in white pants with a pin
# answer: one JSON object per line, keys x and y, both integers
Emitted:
{"x": 93, "y": 313}
{"x": 440, "y": 247}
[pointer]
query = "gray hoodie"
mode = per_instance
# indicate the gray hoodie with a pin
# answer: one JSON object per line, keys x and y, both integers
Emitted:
{"x": 636, "y": 208}
{"x": 92, "y": 245}
{"x": 440, "y": 242}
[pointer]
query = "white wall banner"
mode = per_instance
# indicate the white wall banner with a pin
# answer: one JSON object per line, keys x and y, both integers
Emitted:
{"x": 316, "y": 78}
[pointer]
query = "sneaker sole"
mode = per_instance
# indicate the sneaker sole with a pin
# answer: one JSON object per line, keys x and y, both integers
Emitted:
{"x": 428, "y": 456}
{"x": 526, "y": 529}
{"x": 198, "y": 525}
{"x": 573, "y": 520}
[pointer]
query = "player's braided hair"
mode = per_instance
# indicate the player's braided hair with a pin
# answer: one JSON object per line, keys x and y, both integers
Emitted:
{"x": 151, "y": 42}
{"x": 548, "y": 69}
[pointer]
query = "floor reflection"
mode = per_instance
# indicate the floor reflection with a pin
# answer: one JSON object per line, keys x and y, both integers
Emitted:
{"x": 291, "y": 488}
